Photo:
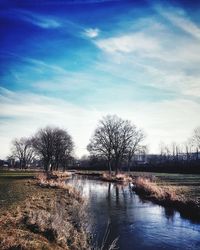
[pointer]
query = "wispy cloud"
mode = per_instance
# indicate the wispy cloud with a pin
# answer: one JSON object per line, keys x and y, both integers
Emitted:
{"x": 38, "y": 64}
{"x": 92, "y": 33}
{"x": 128, "y": 43}
{"x": 157, "y": 55}
{"x": 179, "y": 18}
{"x": 42, "y": 21}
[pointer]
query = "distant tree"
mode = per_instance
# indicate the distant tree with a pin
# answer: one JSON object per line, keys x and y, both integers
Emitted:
{"x": 54, "y": 146}
{"x": 166, "y": 152}
{"x": 188, "y": 145}
{"x": 196, "y": 140}
{"x": 112, "y": 139}
{"x": 175, "y": 151}
{"x": 23, "y": 151}
{"x": 196, "y": 137}
{"x": 135, "y": 145}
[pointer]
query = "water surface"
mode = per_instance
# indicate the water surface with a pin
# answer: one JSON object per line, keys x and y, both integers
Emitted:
{"x": 137, "y": 224}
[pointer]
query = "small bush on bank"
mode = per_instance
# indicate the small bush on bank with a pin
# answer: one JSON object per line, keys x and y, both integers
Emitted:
{"x": 116, "y": 178}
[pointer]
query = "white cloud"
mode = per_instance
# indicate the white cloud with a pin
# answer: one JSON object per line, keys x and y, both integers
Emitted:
{"x": 180, "y": 19}
{"x": 92, "y": 33}
{"x": 174, "y": 80}
{"x": 128, "y": 43}
{"x": 157, "y": 55}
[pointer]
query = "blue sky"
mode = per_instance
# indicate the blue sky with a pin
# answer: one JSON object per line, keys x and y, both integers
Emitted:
{"x": 68, "y": 63}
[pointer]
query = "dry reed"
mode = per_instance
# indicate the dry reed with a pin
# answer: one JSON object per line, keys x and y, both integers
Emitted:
{"x": 167, "y": 196}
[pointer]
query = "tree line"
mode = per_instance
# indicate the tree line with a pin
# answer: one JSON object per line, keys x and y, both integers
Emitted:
{"x": 51, "y": 145}
{"x": 115, "y": 141}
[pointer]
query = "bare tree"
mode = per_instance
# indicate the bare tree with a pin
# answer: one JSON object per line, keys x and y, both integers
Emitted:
{"x": 135, "y": 145}
{"x": 112, "y": 139}
{"x": 101, "y": 143}
{"x": 188, "y": 145}
{"x": 63, "y": 147}
{"x": 196, "y": 137}
{"x": 23, "y": 151}
{"x": 196, "y": 141}
{"x": 54, "y": 146}
{"x": 43, "y": 145}
{"x": 175, "y": 151}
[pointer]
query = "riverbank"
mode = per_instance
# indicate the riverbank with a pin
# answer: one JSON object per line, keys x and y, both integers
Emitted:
{"x": 178, "y": 191}
{"x": 168, "y": 196}
{"x": 50, "y": 217}
{"x": 49, "y": 214}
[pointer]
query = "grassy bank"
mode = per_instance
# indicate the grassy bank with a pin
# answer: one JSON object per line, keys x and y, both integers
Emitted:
{"x": 185, "y": 184}
{"x": 48, "y": 216}
{"x": 176, "y": 197}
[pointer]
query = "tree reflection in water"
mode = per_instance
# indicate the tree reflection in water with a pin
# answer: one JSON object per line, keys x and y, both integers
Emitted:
{"x": 139, "y": 224}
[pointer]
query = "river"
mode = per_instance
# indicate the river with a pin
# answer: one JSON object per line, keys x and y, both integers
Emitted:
{"x": 137, "y": 224}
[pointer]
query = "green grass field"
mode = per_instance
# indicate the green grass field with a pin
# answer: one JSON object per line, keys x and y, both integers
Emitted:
{"x": 14, "y": 188}
{"x": 18, "y": 174}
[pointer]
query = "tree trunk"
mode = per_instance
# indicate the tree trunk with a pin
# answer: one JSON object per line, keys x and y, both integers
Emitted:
{"x": 47, "y": 165}
{"x": 129, "y": 166}
{"x": 116, "y": 167}
{"x": 109, "y": 167}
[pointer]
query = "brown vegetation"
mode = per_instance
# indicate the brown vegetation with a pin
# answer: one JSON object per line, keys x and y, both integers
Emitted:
{"x": 150, "y": 188}
{"x": 167, "y": 196}
{"x": 105, "y": 176}
{"x": 122, "y": 178}
{"x": 51, "y": 219}
{"x": 54, "y": 175}
{"x": 89, "y": 173}
{"x": 59, "y": 174}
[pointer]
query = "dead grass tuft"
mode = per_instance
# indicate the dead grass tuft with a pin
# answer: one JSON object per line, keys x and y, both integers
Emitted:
{"x": 59, "y": 174}
{"x": 45, "y": 182}
{"x": 123, "y": 178}
{"x": 55, "y": 175}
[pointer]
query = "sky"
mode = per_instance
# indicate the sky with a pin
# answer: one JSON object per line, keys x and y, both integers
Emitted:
{"x": 68, "y": 63}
